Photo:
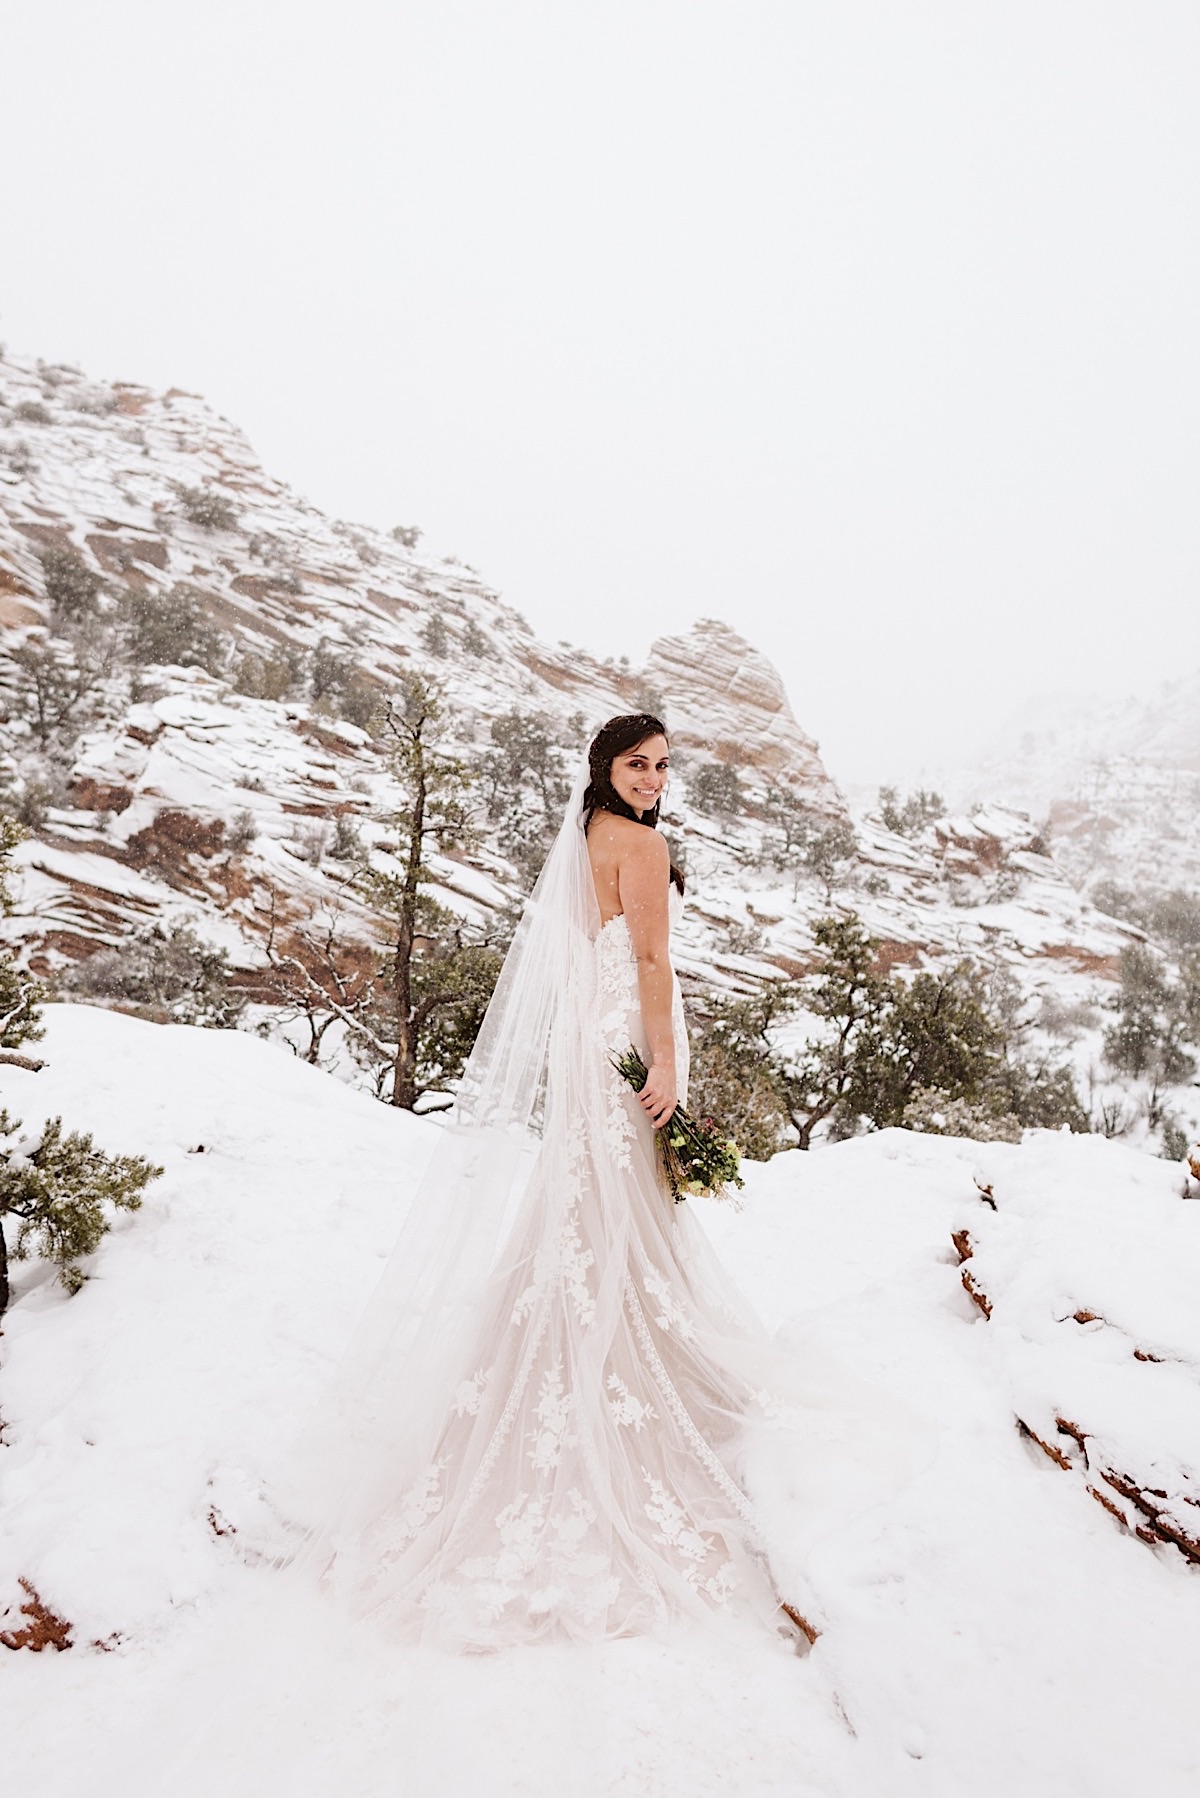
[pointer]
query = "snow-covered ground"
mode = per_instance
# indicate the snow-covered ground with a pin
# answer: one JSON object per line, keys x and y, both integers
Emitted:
{"x": 991, "y": 1630}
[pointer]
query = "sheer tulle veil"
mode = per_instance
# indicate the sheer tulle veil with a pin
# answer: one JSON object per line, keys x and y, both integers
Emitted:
{"x": 388, "y": 1393}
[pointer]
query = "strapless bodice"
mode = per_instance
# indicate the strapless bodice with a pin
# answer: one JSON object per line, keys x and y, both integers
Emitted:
{"x": 619, "y": 1008}
{"x": 675, "y": 905}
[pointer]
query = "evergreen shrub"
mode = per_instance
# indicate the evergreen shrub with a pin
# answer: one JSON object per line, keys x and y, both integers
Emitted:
{"x": 162, "y": 970}
{"x": 71, "y": 586}
{"x": 63, "y": 1190}
{"x": 205, "y": 507}
{"x": 715, "y": 789}
{"x": 171, "y": 627}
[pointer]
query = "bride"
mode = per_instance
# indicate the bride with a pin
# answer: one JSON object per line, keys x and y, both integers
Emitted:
{"x": 542, "y": 1430}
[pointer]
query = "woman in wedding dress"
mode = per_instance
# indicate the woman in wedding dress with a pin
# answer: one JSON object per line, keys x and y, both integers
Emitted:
{"x": 539, "y": 1437}
{"x": 558, "y": 1421}
{"x": 543, "y": 1429}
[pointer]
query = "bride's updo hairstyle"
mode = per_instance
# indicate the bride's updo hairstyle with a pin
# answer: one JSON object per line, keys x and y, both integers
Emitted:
{"x": 611, "y": 740}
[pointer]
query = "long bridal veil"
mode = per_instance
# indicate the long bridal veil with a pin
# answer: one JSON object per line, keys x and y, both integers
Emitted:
{"x": 386, "y": 1401}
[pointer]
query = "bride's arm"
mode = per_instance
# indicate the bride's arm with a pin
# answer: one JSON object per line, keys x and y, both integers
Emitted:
{"x": 643, "y": 880}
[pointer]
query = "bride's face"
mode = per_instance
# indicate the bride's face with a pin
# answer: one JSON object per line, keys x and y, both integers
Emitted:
{"x": 639, "y": 775}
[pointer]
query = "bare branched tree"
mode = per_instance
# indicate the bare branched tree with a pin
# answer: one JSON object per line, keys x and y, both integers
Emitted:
{"x": 320, "y": 974}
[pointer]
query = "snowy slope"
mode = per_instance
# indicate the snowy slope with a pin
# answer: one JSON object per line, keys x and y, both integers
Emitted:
{"x": 992, "y": 1629}
{"x": 140, "y": 826}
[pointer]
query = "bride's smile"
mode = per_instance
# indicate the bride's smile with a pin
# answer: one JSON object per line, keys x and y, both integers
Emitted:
{"x": 640, "y": 776}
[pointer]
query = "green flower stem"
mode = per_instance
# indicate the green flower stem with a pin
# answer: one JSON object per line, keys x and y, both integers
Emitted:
{"x": 696, "y": 1158}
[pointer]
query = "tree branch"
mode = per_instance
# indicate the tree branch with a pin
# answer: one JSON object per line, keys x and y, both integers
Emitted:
{"x": 341, "y": 1011}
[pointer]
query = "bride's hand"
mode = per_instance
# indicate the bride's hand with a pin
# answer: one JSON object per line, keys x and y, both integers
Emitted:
{"x": 658, "y": 1096}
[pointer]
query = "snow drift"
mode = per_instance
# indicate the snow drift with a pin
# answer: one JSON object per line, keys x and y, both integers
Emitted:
{"x": 992, "y": 1628}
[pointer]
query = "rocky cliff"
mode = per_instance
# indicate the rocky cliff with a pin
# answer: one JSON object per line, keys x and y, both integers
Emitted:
{"x": 182, "y": 791}
{"x": 1116, "y": 782}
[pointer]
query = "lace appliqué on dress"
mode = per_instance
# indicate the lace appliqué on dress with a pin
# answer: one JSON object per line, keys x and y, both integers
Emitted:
{"x": 553, "y": 1413}
{"x": 687, "y": 1543}
{"x": 717, "y": 1471}
{"x": 422, "y": 1501}
{"x": 671, "y": 1314}
{"x": 573, "y": 1490}
{"x": 563, "y": 1260}
{"x": 617, "y": 997}
{"x": 628, "y": 1411}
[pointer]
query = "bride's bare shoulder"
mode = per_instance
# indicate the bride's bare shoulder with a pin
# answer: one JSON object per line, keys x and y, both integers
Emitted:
{"x": 624, "y": 839}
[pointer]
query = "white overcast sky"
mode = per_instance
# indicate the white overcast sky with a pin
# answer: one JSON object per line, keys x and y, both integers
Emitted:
{"x": 869, "y": 327}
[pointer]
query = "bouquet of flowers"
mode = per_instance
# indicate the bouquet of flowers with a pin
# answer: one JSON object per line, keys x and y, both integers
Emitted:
{"x": 699, "y": 1160}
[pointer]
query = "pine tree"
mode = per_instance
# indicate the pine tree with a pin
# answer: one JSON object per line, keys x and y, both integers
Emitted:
{"x": 801, "y": 841}
{"x": 525, "y": 785}
{"x": 828, "y": 848}
{"x": 935, "y": 1035}
{"x": 789, "y": 824}
{"x": 72, "y": 588}
{"x": 734, "y": 1075}
{"x": 207, "y": 508}
{"x": 937, "y": 1052}
{"x": 55, "y": 678}
{"x": 435, "y": 638}
{"x": 756, "y": 1086}
{"x": 911, "y": 816}
{"x": 20, "y": 993}
{"x": 170, "y": 627}
{"x": 435, "y": 983}
{"x": 167, "y": 969}
{"x": 850, "y": 995}
{"x": 715, "y": 788}
{"x": 1152, "y": 1017}
{"x": 63, "y": 1189}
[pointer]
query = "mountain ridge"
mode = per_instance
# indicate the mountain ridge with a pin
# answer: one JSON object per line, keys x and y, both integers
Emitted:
{"x": 166, "y": 769}
{"x": 1115, "y": 781}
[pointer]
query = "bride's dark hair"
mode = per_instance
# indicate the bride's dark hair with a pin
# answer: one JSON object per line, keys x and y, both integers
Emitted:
{"x": 611, "y": 740}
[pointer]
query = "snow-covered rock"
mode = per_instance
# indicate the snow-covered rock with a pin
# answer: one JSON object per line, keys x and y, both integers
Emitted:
{"x": 1116, "y": 782}
{"x": 145, "y": 824}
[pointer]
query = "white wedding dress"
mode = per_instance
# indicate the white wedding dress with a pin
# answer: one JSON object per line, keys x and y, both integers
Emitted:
{"x": 585, "y": 1482}
{"x": 558, "y": 1419}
